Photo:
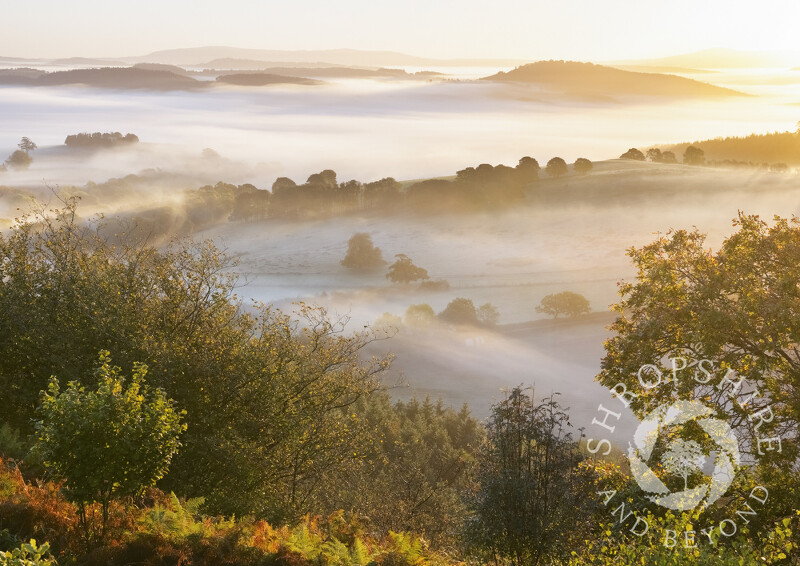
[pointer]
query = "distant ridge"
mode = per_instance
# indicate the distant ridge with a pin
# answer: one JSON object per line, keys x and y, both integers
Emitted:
{"x": 720, "y": 58}
{"x": 597, "y": 81}
{"x": 196, "y": 56}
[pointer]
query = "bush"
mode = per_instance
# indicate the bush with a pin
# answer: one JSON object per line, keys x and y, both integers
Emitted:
{"x": 28, "y": 554}
{"x": 109, "y": 443}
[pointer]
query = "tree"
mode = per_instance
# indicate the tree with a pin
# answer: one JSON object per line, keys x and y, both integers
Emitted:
{"x": 530, "y": 500}
{"x": 633, "y": 154}
{"x": 19, "y": 160}
{"x": 694, "y": 156}
{"x": 27, "y": 145}
{"x": 669, "y": 157}
{"x": 460, "y": 311}
{"x": 566, "y": 303}
{"x": 420, "y": 315}
{"x": 266, "y": 393}
{"x": 404, "y": 271}
{"x": 488, "y": 315}
{"x": 556, "y": 167}
{"x": 528, "y": 169}
{"x": 110, "y": 443}
{"x": 737, "y": 307}
{"x": 582, "y": 166}
{"x": 362, "y": 254}
{"x": 654, "y": 154}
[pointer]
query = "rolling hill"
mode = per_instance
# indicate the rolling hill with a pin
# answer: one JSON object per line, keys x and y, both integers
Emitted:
{"x": 106, "y": 77}
{"x": 587, "y": 80}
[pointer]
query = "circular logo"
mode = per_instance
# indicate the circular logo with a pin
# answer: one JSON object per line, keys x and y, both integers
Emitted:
{"x": 682, "y": 458}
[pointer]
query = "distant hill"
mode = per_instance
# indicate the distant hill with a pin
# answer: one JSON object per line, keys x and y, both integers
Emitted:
{"x": 725, "y": 59}
{"x": 587, "y": 80}
{"x": 343, "y": 73}
{"x": 263, "y": 79}
{"x": 778, "y": 147}
{"x": 107, "y": 77}
{"x": 196, "y": 56}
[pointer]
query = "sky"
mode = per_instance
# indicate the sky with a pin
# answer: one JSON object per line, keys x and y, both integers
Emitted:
{"x": 594, "y": 30}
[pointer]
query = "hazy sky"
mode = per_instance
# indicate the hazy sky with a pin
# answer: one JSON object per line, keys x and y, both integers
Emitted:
{"x": 529, "y": 29}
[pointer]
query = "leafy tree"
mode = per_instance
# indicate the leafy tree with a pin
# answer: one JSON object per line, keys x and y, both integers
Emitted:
{"x": 420, "y": 315}
{"x": 528, "y": 168}
{"x": 694, "y": 156}
{"x": 266, "y": 393}
{"x": 737, "y": 307}
{"x": 283, "y": 184}
{"x": 633, "y": 154}
{"x": 669, "y": 157}
{"x": 415, "y": 472}
{"x": 404, "y": 271}
{"x": 362, "y": 253}
{"x": 460, "y": 311}
{"x": 566, "y": 303}
{"x": 556, "y": 167}
{"x": 19, "y": 160}
{"x": 110, "y": 443}
{"x": 488, "y": 315}
{"x": 531, "y": 496}
{"x": 654, "y": 154}
{"x": 582, "y": 166}
{"x": 27, "y": 145}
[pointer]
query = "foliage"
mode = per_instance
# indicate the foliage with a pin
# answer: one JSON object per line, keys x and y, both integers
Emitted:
{"x": 460, "y": 311}
{"x": 694, "y": 156}
{"x": 110, "y": 443}
{"x": 531, "y": 496}
{"x": 566, "y": 303}
{"x": 404, "y": 271}
{"x": 488, "y": 315}
{"x": 27, "y": 145}
{"x": 556, "y": 167}
{"x": 99, "y": 140}
{"x": 582, "y": 166}
{"x": 415, "y": 470}
{"x": 633, "y": 154}
{"x": 420, "y": 315}
{"x": 737, "y": 307}
{"x": 19, "y": 160}
{"x": 266, "y": 394}
{"x": 362, "y": 253}
{"x": 28, "y": 554}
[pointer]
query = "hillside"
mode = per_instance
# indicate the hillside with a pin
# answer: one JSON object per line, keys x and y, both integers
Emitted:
{"x": 777, "y": 147}
{"x": 107, "y": 77}
{"x": 263, "y": 79}
{"x": 588, "y": 80}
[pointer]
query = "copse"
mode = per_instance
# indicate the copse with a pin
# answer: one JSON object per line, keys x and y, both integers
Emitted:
{"x": 267, "y": 414}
